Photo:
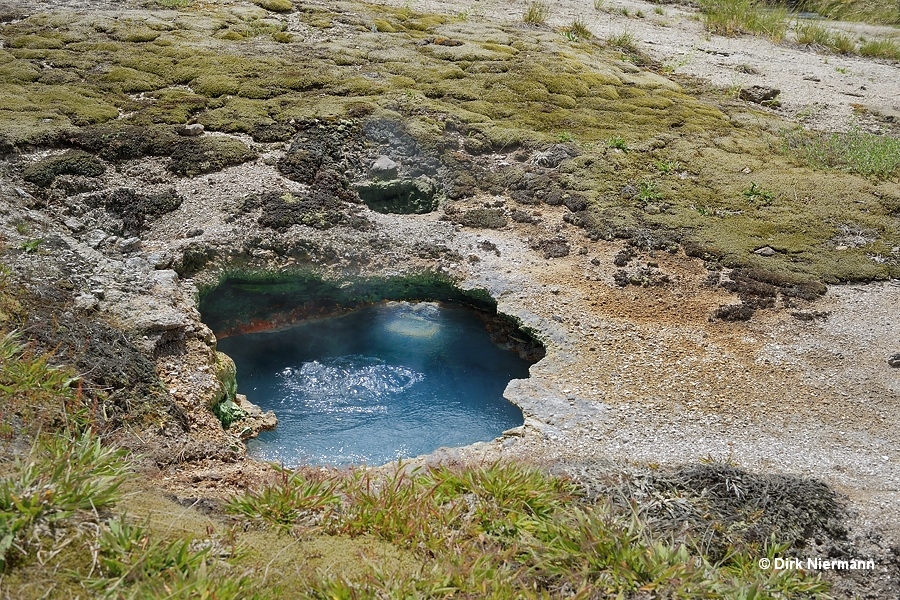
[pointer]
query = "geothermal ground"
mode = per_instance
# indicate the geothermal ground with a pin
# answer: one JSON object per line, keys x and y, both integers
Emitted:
{"x": 704, "y": 291}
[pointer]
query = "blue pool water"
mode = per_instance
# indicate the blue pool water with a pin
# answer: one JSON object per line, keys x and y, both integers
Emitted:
{"x": 383, "y": 382}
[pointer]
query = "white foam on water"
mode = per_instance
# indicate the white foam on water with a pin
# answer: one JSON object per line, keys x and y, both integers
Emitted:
{"x": 347, "y": 384}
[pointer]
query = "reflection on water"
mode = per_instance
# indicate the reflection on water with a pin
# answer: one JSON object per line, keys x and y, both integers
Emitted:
{"x": 383, "y": 382}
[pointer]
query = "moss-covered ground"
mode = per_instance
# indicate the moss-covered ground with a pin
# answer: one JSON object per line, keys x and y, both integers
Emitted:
{"x": 97, "y": 81}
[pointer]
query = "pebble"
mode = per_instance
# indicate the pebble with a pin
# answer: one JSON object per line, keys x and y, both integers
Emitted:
{"x": 192, "y": 130}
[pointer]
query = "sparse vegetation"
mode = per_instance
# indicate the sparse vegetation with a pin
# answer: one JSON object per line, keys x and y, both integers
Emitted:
{"x": 820, "y": 37}
{"x": 31, "y": 245}
{"x": 648, "y": 191}
{"x": 855, "y": 151}
{"x": 811, "y": 33}
{"x": 668, "y": 167}
{"x": 514, "y": 530}
{"x": 173, "y": 3}
{"x": 63, "y": 481}
{"x": 880, "y": 49}
{"x": 869, "y": 11}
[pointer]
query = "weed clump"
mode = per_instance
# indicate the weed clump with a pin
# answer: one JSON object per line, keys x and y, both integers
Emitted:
{"x": 43, "y": 172}
{"x": 124, "y": 142}
{"x": 324, "y": 207}
{"x": 134, "y": 208}
{"x": 62, "y": 478}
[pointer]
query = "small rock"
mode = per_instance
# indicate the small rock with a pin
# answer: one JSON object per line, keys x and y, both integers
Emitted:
{"x": 384, "y": 168}
{"x": 445, "y": 41}
{"x": 192, "y": 130}
{"x": 765, "y": 251}
{"x": 137, "y": 264}
{"x": 811, "y": 78}
{"x": 759, "y": 94}
{"x": 129, "y": 245}
{"x": 195, "y": 232}
{"x": 473, "y": 258}
{"x": 86, "y": 303}
{"x": 159, "y": 260}
{"x": 73, "y": 224}
{"x": 96, "y": 237}
{"x": 23, "y": 194}
{"x": 623, "y": 257}
{"x": 810, "y": 315}
{"x": 629, "y": 191}
{"x": 652, "y": 209}
{"x": 894, "y": 360}
{"x": 489, "y": 247}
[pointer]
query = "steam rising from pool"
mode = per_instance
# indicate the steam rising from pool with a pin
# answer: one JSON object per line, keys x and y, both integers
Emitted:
{"x": 388, "y": 381}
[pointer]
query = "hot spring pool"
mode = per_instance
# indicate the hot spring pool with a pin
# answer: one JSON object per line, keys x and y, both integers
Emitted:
{"x": 387, "y": 381}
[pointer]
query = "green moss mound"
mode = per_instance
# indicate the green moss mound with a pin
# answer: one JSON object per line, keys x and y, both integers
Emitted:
{"x": 44, "y": 172}
{"x": 197, "y": 156}
{"x": 280, "y": 6}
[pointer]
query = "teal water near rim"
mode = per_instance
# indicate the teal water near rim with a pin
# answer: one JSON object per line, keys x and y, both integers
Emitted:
{"x": 383, "y": 382}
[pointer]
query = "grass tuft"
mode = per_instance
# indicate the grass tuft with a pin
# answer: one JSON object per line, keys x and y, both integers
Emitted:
{"x": 295, "y": 500}
{"x": 737, "y": 17}
{"x": 624, "y": 41}
{"x": 60, "y": 478}
{"x": 536, "y": 13}
{"x": 580, "y": 30}
{"x": 880, "y": 49}
{"x": 281, "y": 6}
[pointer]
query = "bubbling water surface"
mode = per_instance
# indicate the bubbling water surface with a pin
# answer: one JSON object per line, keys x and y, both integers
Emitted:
{"x": 387, "y": 381}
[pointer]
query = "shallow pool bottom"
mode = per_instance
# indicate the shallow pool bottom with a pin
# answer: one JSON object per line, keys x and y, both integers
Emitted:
{"x": 383, "y": 382}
